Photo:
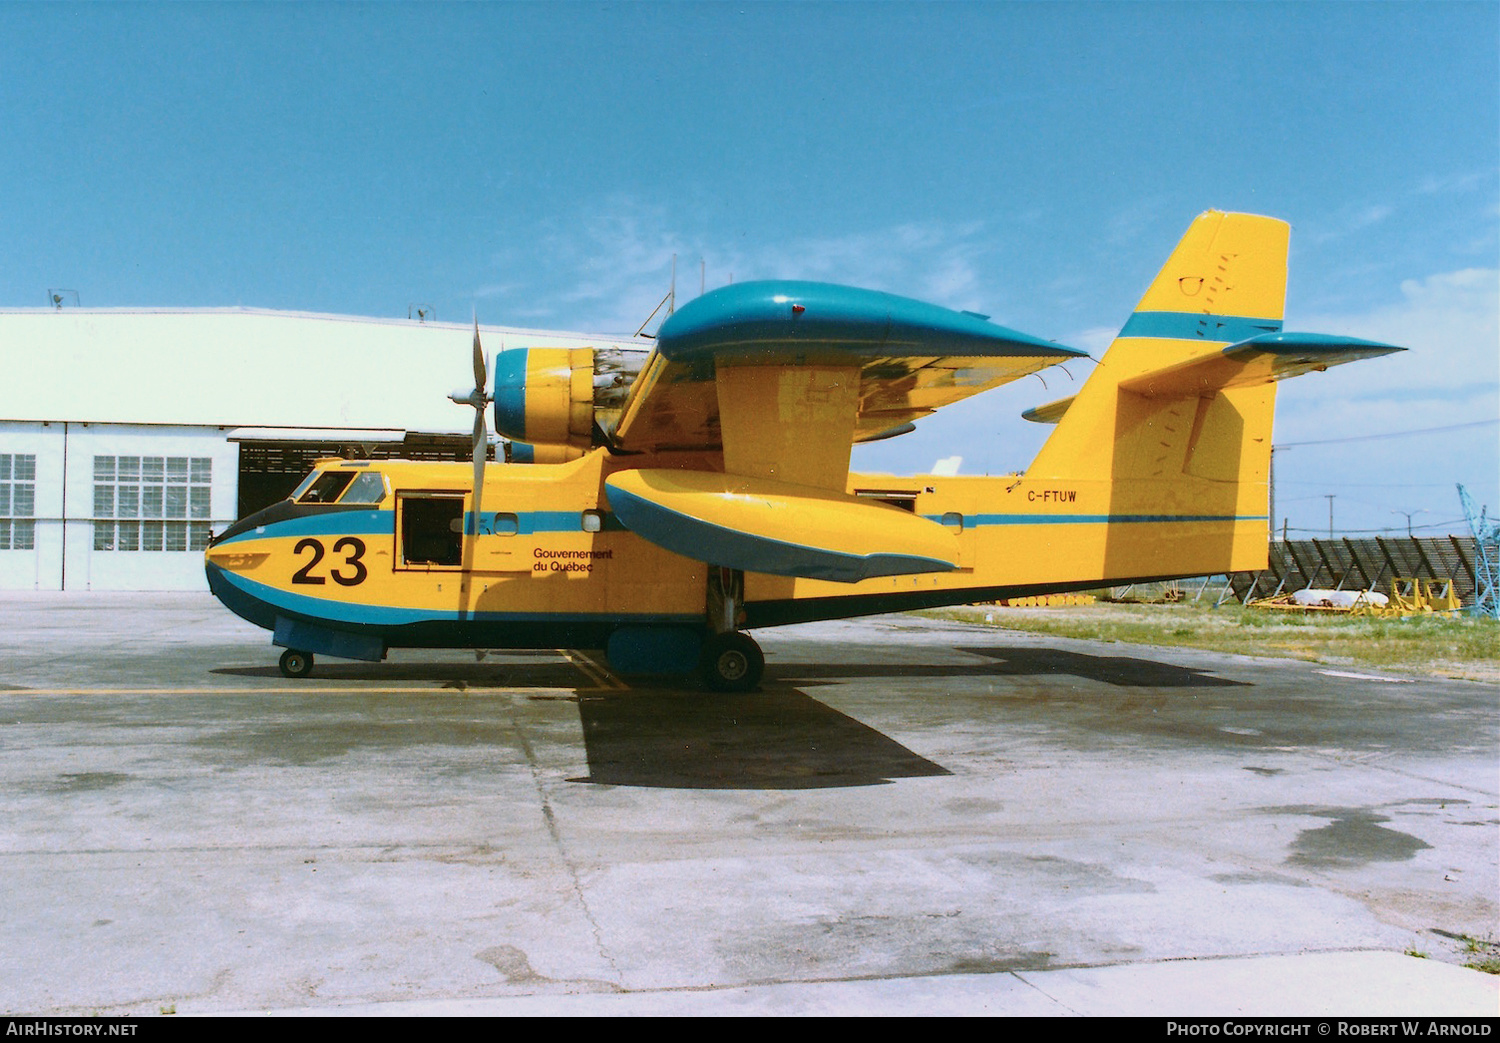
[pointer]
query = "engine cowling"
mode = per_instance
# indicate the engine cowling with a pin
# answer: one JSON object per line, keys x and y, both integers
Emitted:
{"x": 545, "y": 396}
{"x": 551, "y": 398}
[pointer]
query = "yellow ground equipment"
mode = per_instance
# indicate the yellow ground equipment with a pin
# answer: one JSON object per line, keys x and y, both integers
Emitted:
{"x": 1412, "y": 595}
{"x": 1048, "y": 601}
{"x": 1409, "y": 596}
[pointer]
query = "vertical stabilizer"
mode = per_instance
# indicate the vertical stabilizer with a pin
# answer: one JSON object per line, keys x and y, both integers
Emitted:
{"x": 1224, "y": 284}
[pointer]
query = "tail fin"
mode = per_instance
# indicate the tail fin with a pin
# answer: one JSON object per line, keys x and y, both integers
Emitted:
{"x": 1188, "y": 386}
{"x": 1225, "y": 282}
{"x": 1174, "y": 424}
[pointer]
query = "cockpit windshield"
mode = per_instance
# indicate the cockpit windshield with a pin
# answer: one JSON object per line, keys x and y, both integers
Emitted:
{"x": 296, "y": 493}
{"x": 368, "y": 488}
{"x": 326, "y": 487}
{"x": 344, "y": 486}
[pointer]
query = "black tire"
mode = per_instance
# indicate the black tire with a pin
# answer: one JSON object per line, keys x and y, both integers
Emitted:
{"x": 295, "y": 663}
{"x": 731, "y": 663}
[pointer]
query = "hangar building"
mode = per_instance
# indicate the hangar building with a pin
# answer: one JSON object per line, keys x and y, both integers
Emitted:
{"x": 128, "y": 435}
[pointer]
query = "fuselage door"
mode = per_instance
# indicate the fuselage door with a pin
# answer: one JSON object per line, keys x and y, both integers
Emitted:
{"x": 430, "y": 530}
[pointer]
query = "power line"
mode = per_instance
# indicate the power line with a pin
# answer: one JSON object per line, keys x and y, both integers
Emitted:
{"x": 1323, "y": 484}
{"x": 1389, "y": 434}
{"x": 1394, "y": 528}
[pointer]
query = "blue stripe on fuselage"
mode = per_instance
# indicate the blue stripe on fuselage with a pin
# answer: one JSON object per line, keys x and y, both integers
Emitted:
{"x": 975, "y": 520}
{"x": 383, "y": 523}
{"x": 531, "y": 522}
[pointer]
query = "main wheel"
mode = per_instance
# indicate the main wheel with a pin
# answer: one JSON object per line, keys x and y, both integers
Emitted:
{"x": 731, "y": 662}
{"x": 295, "y": 663}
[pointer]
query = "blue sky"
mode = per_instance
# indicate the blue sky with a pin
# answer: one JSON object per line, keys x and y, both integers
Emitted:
{"x": 1036, "y": 162}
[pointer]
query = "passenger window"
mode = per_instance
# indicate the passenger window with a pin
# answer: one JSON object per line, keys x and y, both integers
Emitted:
{"x": 327, "y": 487}
{"x": 368, "y": 488}
{"x": 506, "y": 525}
{"x": 593, "y": 521}
{"x": 432, "y": 530}
{"x": 954, "y": 521}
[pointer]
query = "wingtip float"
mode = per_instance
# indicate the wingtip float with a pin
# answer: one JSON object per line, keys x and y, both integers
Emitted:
{"x": 704, "y": 489}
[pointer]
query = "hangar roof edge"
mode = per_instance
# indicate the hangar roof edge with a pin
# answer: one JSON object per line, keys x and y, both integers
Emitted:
{"x": 374, "y": 320}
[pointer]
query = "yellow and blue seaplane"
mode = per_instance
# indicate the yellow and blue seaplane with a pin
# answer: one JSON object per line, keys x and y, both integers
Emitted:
{"x": 675, "y": 502}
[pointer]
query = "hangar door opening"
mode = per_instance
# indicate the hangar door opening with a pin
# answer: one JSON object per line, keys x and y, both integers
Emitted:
{"x": 273, "y": 461}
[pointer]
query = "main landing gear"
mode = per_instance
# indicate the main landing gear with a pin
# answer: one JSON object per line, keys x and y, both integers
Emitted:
{"x": 295, "y": 663}
{"x": 732, "y": 662}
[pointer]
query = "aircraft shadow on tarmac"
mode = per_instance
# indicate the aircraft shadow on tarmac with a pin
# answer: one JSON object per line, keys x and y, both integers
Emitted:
{"x": 548, "y": 672}
{"x": 782, "y": 738}
{"x": 777, "y": 738}
{"x": 1122, "y": 671}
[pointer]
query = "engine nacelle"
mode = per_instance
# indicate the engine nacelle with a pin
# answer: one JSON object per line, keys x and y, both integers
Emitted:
{"x": 526, "y": 453}
{"x": 557, "y": 400}
{"x": 545, "y": 396}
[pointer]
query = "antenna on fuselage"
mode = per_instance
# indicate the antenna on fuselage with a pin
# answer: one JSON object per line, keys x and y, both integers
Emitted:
{"x": 669, "y": 302}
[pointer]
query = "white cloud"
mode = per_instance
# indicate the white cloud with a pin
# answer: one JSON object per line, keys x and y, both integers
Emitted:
{"x": 1435, "y": 184}
{"x": 1450, "y": 324}
{"x": 608, "y": 270}
{"x": 1350, "y": 219}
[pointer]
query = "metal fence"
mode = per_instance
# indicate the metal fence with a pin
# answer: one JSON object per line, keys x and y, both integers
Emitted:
{"x": 1364, "y": 564}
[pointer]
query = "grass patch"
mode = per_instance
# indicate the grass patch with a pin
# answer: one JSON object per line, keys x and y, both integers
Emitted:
{"x": 1483, "y": 956}
{"x": 1461, "y": 647}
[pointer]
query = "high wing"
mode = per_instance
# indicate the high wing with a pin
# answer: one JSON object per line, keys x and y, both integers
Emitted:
{"x": 907, "y": 359}
{"x": 784, "y": 378}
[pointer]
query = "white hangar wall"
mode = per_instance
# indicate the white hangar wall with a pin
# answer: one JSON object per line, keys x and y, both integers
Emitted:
{"x": 113, "y": 506}
{"x": 115, "y": 458}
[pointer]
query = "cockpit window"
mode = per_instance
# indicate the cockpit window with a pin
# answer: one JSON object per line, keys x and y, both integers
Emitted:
{"x": 297, "y": 492}
{"x": 368, "y": 488}
{"x": 327, "y": 487}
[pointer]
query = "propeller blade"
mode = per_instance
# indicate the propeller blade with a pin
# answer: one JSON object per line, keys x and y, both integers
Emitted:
{"x": 481, "y": 377}
{"x": 481, "y": 450}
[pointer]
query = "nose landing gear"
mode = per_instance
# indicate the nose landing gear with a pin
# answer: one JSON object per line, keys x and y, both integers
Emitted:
{"x": 296, "y": 664}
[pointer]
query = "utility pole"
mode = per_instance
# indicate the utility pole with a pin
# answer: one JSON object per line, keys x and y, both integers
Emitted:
{"x": 1271, "y": 484}
{"x": 1420, "y": 510}
{"x": 1329, "y": 497}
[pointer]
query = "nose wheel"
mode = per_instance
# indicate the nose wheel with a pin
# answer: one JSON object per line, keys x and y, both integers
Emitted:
{"x": 731, "y": 662}
{"x": 295, "y": 663}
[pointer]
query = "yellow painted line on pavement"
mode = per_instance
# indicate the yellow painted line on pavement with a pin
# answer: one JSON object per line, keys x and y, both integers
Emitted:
{"x": 595, "y": 672}
{"x": 326, "y": 688}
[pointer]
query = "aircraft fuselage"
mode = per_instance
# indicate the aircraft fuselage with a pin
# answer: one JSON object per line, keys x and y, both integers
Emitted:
{"x": 548, "y": 564}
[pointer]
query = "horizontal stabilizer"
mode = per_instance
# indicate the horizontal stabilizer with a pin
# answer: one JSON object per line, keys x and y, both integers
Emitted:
{"x": 1051, "y": 413}
{"x": 1259, "y": 360}
{"x": 760, "y": 525}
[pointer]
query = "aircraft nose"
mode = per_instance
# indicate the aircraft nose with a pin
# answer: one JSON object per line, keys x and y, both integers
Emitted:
{"x": 248, "y": 524}
{"x": 233, "y": 560}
